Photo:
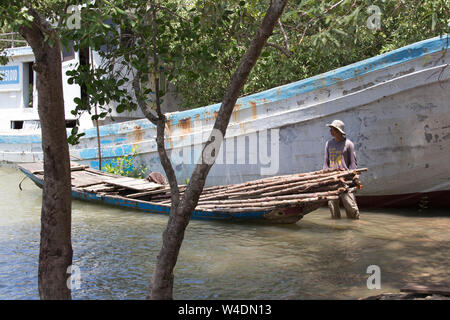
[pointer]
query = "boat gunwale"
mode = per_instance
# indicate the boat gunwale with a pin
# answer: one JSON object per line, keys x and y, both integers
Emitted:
{"x": 287, "y": 120}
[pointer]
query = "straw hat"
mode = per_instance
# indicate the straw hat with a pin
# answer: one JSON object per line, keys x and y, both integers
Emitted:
{"x": 338, "y": 124}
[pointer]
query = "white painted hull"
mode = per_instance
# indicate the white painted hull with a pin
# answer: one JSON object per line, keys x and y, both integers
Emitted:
{"x": 395, "y": 107}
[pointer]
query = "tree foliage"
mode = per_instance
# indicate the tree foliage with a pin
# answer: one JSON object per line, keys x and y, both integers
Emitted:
{"x": 201, "y": 41}
{"x": 319, "y": 36}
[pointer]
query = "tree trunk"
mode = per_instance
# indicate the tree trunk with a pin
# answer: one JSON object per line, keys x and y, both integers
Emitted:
{"x": 55, "y": 254}
{"x": 161, "y": 286}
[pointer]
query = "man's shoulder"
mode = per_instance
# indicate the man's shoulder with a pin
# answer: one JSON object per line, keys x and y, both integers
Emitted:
{"x": 349, "y": 143}
{"x": 347, "y": 140}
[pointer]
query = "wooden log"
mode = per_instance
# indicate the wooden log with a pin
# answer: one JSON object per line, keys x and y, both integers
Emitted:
{"x": 331, "y": 192}
{"x": 277, "y": 203}
{"x": 276, "y": 198}
{"x": 322, "y": 187}
{"x": 276, "y": 181}
{"x": 291, "y": 187}
{"x": 318, "y": 181}
{"x": 293, "y": 177}
{"x": 264, "y": 208}
{"x": 267, "y": 181}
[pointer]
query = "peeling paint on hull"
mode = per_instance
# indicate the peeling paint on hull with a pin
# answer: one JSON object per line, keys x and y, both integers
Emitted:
{"x": 395, "y": 107}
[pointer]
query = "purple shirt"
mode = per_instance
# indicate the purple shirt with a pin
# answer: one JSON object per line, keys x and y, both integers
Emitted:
{"x": 339, "y": 155}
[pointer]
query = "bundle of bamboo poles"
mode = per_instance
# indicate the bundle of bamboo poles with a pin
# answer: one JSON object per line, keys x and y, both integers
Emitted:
{"x": 276, "y": 192}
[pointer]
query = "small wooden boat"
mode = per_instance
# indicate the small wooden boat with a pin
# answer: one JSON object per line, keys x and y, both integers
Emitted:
{"x": 282, "y": 199}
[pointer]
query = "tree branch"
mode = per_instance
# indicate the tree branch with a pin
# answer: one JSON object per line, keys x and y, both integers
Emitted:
{"x": 165, "y": 161}
{"x": 162, "y": 279}
{"x": 201, "y": 170}
{"x": 285, "y": 51}
{"x": 141, "y": 101}
{"x": 61, "y": 19}
{"x": 286, "y": 40}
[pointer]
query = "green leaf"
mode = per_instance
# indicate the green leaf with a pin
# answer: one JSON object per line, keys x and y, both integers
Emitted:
{"x": 341, "y": 32}
{"x": 120, "y": 108}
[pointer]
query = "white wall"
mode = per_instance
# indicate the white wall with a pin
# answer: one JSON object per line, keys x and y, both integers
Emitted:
{"x": 14, "y": 93}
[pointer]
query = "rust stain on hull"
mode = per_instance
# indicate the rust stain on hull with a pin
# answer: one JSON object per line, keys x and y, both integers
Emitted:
{"x": 185, "y": 125}
{"x": 168, "y": 134}
{"x": 254, "y": 111}
{"x": 137, "y": 133}
{"x": 236, "y": 112}
{"x": 278, "y": 92}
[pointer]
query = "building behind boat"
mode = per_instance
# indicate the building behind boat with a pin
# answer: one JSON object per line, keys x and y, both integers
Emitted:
{"x": 18, "y": 94}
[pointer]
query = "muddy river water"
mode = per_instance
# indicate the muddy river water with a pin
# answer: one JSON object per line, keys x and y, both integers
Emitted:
{"x": 316, "y": 258}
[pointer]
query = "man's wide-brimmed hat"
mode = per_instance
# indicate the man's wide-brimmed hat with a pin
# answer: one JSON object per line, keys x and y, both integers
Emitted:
{"x": 338, "y": 124}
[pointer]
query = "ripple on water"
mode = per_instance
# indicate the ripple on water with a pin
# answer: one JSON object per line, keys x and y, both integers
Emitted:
{"x": 317, "y": 258}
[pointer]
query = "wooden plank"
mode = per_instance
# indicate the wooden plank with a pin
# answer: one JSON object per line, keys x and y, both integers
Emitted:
{"x": 99, "y": 188}
{"x": 81, "y": 179}
{"x": 423, "y": 289}
{"x": 134, "y": 184}
{"x": 84, "y": 174}
{"x": 102, "y": 173}
{"x": 130, "y": 181}
{"x": 147, "y": 193}
{"x": 117, "y": 180}
{"x": 138, "y": 182}
{"x": 32, "y": 167}
{"x": 72, "y": 169}
{"x": 141, "y": 187}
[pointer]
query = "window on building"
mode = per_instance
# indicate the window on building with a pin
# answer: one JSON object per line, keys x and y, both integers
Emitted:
{"x": 67, "y": 52}
{"x": 16, "y": 125}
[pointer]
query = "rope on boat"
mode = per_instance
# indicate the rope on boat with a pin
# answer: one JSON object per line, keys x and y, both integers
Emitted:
{"x": 20, "y": 184}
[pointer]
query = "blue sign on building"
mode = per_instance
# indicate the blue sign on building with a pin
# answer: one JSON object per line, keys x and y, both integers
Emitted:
{"x": 9, "y": 75}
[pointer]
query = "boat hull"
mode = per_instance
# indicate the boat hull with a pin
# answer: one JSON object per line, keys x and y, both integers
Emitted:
{"x": 287, "y": 215}
{"x": 395, "y": 108}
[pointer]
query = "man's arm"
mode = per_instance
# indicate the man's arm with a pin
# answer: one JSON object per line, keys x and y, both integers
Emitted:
{"x": 326, "y": 159}
{"x": 352, "y": 156}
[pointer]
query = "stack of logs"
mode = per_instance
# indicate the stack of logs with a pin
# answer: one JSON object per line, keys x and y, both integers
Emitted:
{"x": 276, "y": 192}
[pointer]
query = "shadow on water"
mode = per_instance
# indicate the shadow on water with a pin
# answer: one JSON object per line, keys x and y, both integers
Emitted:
{"x": 315, "y": 258}
{"x": 413, "y": 212}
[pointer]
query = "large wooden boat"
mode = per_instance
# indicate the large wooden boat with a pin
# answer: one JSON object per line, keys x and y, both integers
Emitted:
{"x": 395, "y": 107}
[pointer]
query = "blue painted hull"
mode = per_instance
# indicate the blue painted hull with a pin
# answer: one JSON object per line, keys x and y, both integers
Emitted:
{"x": 152, "y": 207}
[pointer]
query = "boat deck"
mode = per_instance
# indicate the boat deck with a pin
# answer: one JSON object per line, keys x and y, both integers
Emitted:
{"x": 87, "y": 179}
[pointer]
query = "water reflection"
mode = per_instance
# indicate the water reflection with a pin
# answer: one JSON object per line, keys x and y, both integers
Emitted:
{"x": 317, "y": 258}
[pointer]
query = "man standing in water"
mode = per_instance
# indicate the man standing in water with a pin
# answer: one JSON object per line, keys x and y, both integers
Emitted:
{"x": 340, "y": 154}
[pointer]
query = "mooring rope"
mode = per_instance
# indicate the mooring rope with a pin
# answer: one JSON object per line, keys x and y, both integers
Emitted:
{"x": 20, "y": 187}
